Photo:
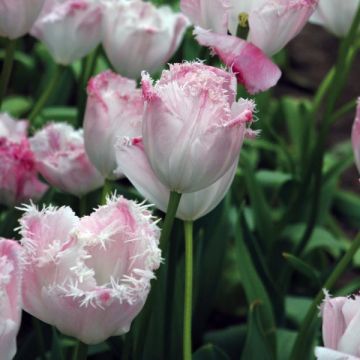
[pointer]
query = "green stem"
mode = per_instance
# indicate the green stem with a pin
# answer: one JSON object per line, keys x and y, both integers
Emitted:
{"x": 41, "y": 102}
{"x": 106, "y": 191}
{"x": 39, "y": 337}
{"x": 82, "y": 205}
{"x": 187, "y": 347}
{"x": 6, "y": 69}
{"x": 80, "y": 351}
{"x": 349, "y": 106}
{"x": 303, "y": 337}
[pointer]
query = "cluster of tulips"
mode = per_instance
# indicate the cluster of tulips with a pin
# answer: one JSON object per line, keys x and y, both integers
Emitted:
{"x": 176, "y": 139}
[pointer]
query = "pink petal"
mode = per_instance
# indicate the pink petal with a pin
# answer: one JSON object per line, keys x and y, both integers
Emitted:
{"x": 355, "y": 136}
{"x": 323, "y": 353}
{"x": 251, "y": 66}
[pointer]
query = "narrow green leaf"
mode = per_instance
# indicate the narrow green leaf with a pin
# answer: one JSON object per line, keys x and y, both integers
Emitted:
{"x": 210, "y": 352}
{"x": 302, "y": 267}
{"x": 16, "y": 105}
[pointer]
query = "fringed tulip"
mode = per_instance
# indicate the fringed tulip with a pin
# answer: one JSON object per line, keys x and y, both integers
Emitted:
{"x": 251, "y": 66}
{"x": 114, "y": 109}
{"x": 192, "y": 126}
{"x": 134, "y": 164}
{"x": 18, "y": 16}
{"x": 10, "y": 296}
{"x": 138, "y": 36}
{"x": 61, "y": 159}
{"x": 336, "y": 15}
{"x": 341, "y": 321}
{"x": 70, "y": 29}
{"x": 355, "y": 136}
{"x": 18, "y": 172}
{"x": 89, "y": 277}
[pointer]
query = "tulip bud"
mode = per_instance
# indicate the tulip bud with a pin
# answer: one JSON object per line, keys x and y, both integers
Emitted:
{"x": 114, "y": 109}
{"x": 70, "y": 29}
{"x": 62, "y": 161}
{"x": 18, "y": 173}
{"x": 17, "y": 16}
{"x": 192, "y": 126}
{"x": 355, "y": 136}
{"x": 134, "y": 164}
{"x": 138, "y": 36}
{"x": 341, "y": 320}
{"x": 10, "y": 295}
{"x": 336, "y": 15}
{"x": 89, "y": 277}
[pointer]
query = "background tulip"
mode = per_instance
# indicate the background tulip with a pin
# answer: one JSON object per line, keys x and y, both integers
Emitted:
{"x": 341, "y": 320}
{"x": 335, "y": 15}
{"x": 192, "y": 126}
{"x": 62, "y": 160}
{"x": 89, "y": 277}
{"x": 18, "y": 172}
{"x": 114, "y": 109}
{"x": 138, "y": 36}
{"x": 17, "y": 16}
{"x": 70, "y": 29}
{"x": 355, "y": 136}
{"x": 10, "y": 296}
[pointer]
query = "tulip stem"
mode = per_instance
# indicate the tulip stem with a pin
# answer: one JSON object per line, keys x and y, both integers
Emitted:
{"x": 80, "y": 351}
{"x": 187, "y": 348}
{"x": 6, "y": 69}
{"x": 304, "y": 336}
{"x": 39, "y": 337}
{"x": 106, "y": 190}
{"x": 171, "y": 210}
{"x": 41, "y": 102}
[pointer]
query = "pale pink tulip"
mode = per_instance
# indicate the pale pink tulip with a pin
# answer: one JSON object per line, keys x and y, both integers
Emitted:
{"x": 18, "y": 16}
{"x": 70, "y": 29}
{"x": 355, "y": 136}
{"x": 336, "y": 15}
{"x": 138, "y": 36}
{"x": 61, "y": 159}
{"x": 18, "y": 173}
{"x": 192, "y": 126}
{"x": 89, "y": 277}
{"x": 341, "y": 321}
{"x": 134, "y": 164}
{"x": 10, "y": 296}
{"x": 114, "y": 109}
{"x": 251, "y": 66}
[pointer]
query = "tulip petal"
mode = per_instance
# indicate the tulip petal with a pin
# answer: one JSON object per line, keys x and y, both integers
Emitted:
{"x": 322, "y": 353}
{"x": 355, "y": 136}
{"x": 251, "y": 66}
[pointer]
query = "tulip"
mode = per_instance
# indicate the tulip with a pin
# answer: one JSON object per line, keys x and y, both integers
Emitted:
{"x": 336, "y": 15}
{"x": 10, "y": 294}
{"x": 18, "y": 16}
{"x": 192, "y": 125}
{"x": 18, "y": 173}
{"x": 114, "y": 109}
{"x": 138, "y": 36}
{"x": 61, "y": 159}
{"x": 341, "y": 319}
{"x": 355, "y": 136}
{"x": 89, "y": 276}
{"x": 133, "y": 163}
{"x": 70, "y": 29}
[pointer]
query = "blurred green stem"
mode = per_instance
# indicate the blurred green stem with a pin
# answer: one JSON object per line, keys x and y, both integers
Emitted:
{"x": 303, "y": 338}
{"x": 187, "y": 343}
{"x": 6, "y": 68}
{"x": 41, "y": 102}
{"x": 80, "y": 351}
{"x": 106, "y": 191}
{"x": 82, "y": 205}
{"x": 39, "y": 337}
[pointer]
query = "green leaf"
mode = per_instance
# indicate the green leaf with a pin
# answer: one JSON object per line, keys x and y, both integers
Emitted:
{"x": 16, "y": 105}
{"x": 285, "y": 341}
{"x": 56, "y": 350}
{"x": 348, "y": 205}
{"x": 296, "y": 308}
{"x": 256, "y": 345}
{"x": 210, "y": 352}
{"x": 302, "y": 267}
{"x": 272, "y": 179}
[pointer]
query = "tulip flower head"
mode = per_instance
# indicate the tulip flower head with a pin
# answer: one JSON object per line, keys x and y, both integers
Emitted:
{"x": 61, "y": 159}
{"x": 18, "y": 16}
{"x": 89, "y": 276}
{"x": 193, "y": 127}
{"x": 336, "y": 15}
{"x": 355, "y": 136}
{"x": 341, "y": 316}
{"x": 114, "y": 109}
{"x": 70, "y": 29}
{"x": 18, "y": 171}
{"x": 10, "y": 296}
{"x": 138, "y": 36}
